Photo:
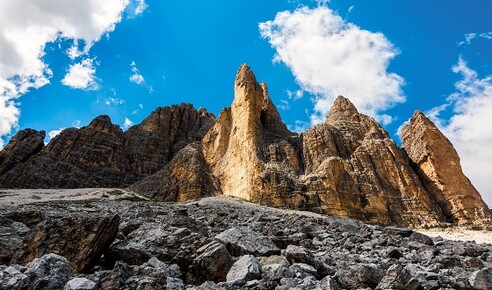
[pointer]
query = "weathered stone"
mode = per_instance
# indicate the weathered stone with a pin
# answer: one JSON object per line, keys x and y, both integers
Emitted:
{"x": 243, "y": 241}
{"x": 50, "y": 272}
{"x": 151, "y": 144}
{"x": 252, "y": 130}
{"x": 80, "y": 284}
{"x": 23, "y": 145}
{"x": 212, "y": 262}
{"x": 421, "y": 238}
{"x": 13, "y": 279}
{"x": 101, "y": 154}
{"x": 438, "y": 166}
{"x": 483, "y": 279}
{"x": 92, "y": 156}
{"x": 359, "y": 172}
{"x": 79, "y": 237}
{"x": 12, "y": 234}
{"x": 398, "y": 278}
{"x": 363, "y": 275}
{"x": 185, "y": 177}
{"x": 245, "y": 269}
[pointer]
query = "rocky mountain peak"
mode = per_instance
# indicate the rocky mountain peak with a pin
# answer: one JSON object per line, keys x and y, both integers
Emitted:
{"x": 342, "y": 109}
{"x": 245, "y": 76}
{"x": 347, "y": 166}
{"x": 102, "y": 124}
{"x": 23, "y": 145}
{"x": 438, "y": 165}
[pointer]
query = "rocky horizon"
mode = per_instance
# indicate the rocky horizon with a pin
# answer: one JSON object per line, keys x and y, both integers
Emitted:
{"x": 347, "y": 166}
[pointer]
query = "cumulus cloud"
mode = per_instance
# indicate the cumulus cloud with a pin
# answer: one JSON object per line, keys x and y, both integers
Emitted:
{"x": 469, "y": 127}
{"x": 329, "y": 57}
{"x": 81, "y": 76}
{"x": 25, "y": 28}
{"x": 136, "y": 77}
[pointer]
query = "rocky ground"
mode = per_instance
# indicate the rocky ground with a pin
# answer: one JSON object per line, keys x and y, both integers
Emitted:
{"x": 220, "y": 243}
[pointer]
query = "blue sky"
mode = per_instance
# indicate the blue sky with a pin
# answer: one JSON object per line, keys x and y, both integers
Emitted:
{"x": 389, "y": 57}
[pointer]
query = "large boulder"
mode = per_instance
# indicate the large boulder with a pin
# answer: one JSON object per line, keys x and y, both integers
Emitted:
{"x": 78, "y": 236}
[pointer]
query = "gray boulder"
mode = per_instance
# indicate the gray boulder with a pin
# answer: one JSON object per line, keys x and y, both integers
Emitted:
{"x": 245, "y": 269}
{"x": 242, "y": 241}
{"x": 483, "y": 279}
{"x": 80, "y": 284}
{"x": 212, "y": 262}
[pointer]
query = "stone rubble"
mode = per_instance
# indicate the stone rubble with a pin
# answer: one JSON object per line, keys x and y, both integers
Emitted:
{"x": 210, "y": 244}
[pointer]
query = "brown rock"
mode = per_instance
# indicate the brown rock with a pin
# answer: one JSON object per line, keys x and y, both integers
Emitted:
{"x": 151, "y": 144}
{"x": 186, "y": 177}
{"x": 23, "y": 145}
{"x": 91, "y": 156}
{"x": 101, "y": 155}
{"x": 438, "y": 166}
{"x": 359, "y": 172}
{"x": 80, "y": 237}
{"x": 251, "y": 151}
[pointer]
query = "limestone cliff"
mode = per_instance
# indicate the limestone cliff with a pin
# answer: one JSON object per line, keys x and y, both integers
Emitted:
{"x": 438, "y": 165}
{"x": 251, "y": 151}
{"x": 359, "y": 172}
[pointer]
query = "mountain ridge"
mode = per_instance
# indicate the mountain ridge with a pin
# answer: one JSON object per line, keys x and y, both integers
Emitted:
{"x": 346, "y": 166}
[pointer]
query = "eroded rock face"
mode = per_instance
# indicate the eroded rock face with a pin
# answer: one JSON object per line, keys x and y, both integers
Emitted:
{"x": 91, "y": 156}
{"x": 251, "y": 151}
{"x": 346, "y": 166}
{"x": 81, "y": 238}
{"x": 186, "y": 177}
{"x": 438, "y": 165}
{"x": 101, "y": 154}
{"x": 359, "y": 172}
{"x": 151, "y": 144}
{"x": 23, "y": 145}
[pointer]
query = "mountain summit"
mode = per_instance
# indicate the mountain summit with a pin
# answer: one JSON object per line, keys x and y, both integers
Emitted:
{"x": 347, "y": 166}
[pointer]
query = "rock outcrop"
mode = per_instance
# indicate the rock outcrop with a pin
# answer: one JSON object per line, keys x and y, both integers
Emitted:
{"x": 91, "y": 156}
{"x": 23, "y": 145}
{"x": 438, "y": 165}
{"x": 101, "y": 154}
{"x": 357, "y": 171}
{"x": 80, "y": 237}
{"x": 251, "y": 151}
{"x": 151, "y": 144}
{"x": 186, "y": 177}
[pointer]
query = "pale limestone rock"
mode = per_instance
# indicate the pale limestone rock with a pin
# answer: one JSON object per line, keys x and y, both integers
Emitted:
{"x": 438, "y": 166}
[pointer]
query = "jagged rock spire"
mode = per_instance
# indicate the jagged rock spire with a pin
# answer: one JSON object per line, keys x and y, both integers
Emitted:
{"x": 342, "y": 109}
{"x": 439, "y": 167}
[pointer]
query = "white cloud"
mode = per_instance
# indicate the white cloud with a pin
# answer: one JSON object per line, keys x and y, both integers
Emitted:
{"x": 329, "y": 57}
{"x": 473, "y": 35}
{"x": 127, "y": 124}
{"x": 53, "y": 133}
{"x": 295, "y": 95}
{"x": 136, "y": 77}
{"x": 141, "y": 6}
{"x": 114, "y": 101}
{"x": 469, "y": 127}
{"x": 25, "y": 28}
{"x": 81, "y": 76}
